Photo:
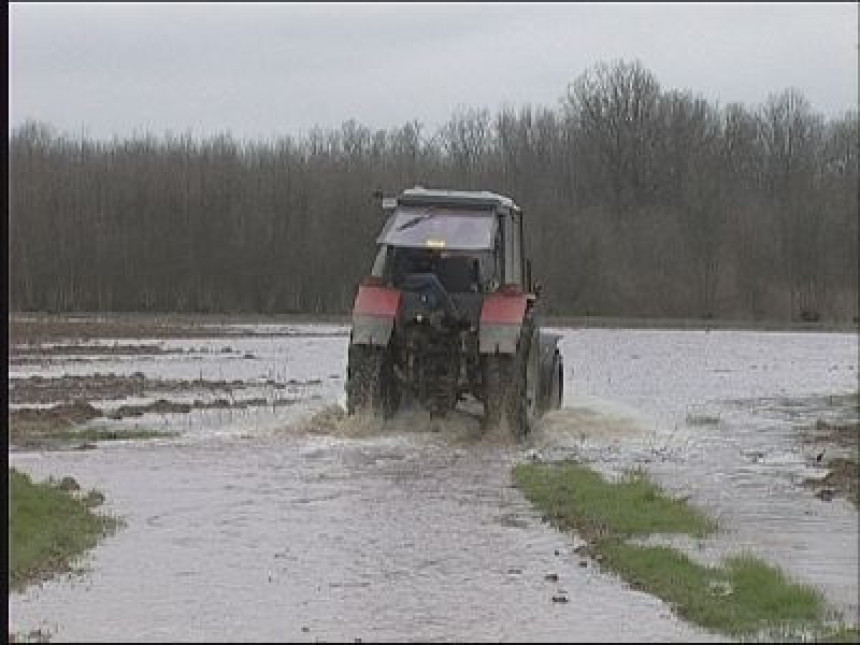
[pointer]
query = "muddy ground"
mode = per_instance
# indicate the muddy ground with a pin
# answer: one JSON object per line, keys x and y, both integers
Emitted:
{"x": 38, "y": 389}
{"x": 47, "y": 410}
{"x": 51, "y": 426}
{"x": 838, "y": 455}
{"x": 36, "y": 329}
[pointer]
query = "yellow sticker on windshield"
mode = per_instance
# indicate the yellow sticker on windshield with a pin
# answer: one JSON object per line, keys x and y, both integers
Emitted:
{"x": 436, "y": 244}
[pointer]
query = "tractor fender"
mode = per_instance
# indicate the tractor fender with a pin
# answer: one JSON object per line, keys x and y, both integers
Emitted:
{"x": 373, "y": 315}
{"x": 502, "y": 317}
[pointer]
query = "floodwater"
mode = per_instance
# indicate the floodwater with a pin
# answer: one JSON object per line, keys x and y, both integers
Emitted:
{"x": 290, "y": 523}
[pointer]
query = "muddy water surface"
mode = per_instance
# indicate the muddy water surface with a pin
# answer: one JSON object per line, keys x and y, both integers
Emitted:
{"x": 287, "y": 522}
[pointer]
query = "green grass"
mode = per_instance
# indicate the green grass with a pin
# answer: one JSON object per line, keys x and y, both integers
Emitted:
{"x": 49, "y": 528}
{"x": 575, "y": 496}
{"x": 744, "y": 596}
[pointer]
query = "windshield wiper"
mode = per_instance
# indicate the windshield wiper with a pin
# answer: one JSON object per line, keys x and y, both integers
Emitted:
{"x": 417, "y": 219}
{"x": 413, "y": 222}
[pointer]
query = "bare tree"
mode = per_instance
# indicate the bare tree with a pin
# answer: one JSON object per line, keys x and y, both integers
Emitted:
{"x": 639, "y": 202}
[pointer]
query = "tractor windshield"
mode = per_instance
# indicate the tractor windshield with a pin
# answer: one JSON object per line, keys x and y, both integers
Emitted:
{"x": 440, "y": 228}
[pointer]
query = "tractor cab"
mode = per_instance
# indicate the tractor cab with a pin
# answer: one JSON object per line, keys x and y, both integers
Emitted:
{"x": 474, "y": 240}
{"x": 448, "y": 312}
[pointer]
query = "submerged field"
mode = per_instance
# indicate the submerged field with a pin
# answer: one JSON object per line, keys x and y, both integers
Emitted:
{"x": 225, "y": 449}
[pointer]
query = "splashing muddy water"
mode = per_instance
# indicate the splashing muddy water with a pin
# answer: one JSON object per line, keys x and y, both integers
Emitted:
{"x": 299, "y": 523}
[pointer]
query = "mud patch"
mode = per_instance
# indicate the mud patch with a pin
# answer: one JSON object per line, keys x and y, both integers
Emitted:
{"x": 62, "y": 416}
{"x": 845, "y": 434}
{"x": 33, "y": 636}
{"x": 78, "y": 412}
{"x": 31, "y": 330}
{"x": 163, "y": 406}
{"x": 836, "y": 442}
{"x": 38, "y": 389}
{"x": 27, "y": 330}
{"x": 46, "y": 354}
{"x": 160, "y": 406}
{"x": 77, "y": 349}
{"x": 842, "y": 479}
{"x": 62, "y": 426}
{"x": 838, "y": 409}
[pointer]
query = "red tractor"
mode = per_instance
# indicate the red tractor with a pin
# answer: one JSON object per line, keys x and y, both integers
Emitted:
{"x": 449, "y": 311}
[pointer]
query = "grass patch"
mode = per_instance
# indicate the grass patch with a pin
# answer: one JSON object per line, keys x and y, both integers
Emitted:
{"x": 50, "y": 525}
{"x": 574, "y": 496}
{"x": 743, "y": 596}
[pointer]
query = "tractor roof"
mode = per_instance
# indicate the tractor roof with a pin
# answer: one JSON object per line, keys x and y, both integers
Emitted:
{"x": 482, "y": 199}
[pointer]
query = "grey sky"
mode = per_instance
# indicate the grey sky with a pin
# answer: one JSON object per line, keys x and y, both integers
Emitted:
{"x": 260, "y": 69}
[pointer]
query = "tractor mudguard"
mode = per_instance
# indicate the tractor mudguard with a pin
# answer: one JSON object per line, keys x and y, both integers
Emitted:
{"x": 501, "y": 320}
{"x": 373, "y": 314}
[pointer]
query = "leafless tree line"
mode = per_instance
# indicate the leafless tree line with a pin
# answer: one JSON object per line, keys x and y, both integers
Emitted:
{"x": 639, "y": 201}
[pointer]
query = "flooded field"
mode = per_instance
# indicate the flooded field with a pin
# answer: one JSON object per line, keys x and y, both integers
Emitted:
{"x": 269, "y": 516}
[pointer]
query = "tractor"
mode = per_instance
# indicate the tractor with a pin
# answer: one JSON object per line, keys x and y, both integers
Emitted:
{"x": 449, "y": 313}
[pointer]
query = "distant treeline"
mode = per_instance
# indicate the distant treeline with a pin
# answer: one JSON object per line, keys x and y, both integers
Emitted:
{"x": 639, "y": 201}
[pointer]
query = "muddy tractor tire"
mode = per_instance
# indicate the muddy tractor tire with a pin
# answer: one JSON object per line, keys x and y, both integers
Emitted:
{"x": 556, "y": 392}
{"x": 370, "y": 382}
{"x": 510, "y": 388}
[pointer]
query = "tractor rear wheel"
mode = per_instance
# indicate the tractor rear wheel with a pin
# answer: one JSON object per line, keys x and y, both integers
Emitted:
{"x": 557, "y": 389}
{"x": 509, "y": 398}
{"x": 370, "y": 381}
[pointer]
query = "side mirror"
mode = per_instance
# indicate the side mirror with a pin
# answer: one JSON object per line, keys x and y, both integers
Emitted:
{"x": 386, "y": 204}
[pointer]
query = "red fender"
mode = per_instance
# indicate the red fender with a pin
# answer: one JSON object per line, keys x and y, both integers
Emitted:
{"x": 376, "y": 301}
{"x": 503, "y": 309}
{"x": 502, "y": 316}
{"x": 373, "y": 314}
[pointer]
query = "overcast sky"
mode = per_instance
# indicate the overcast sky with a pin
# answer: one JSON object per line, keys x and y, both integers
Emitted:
{"x": 262, "y": 69}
